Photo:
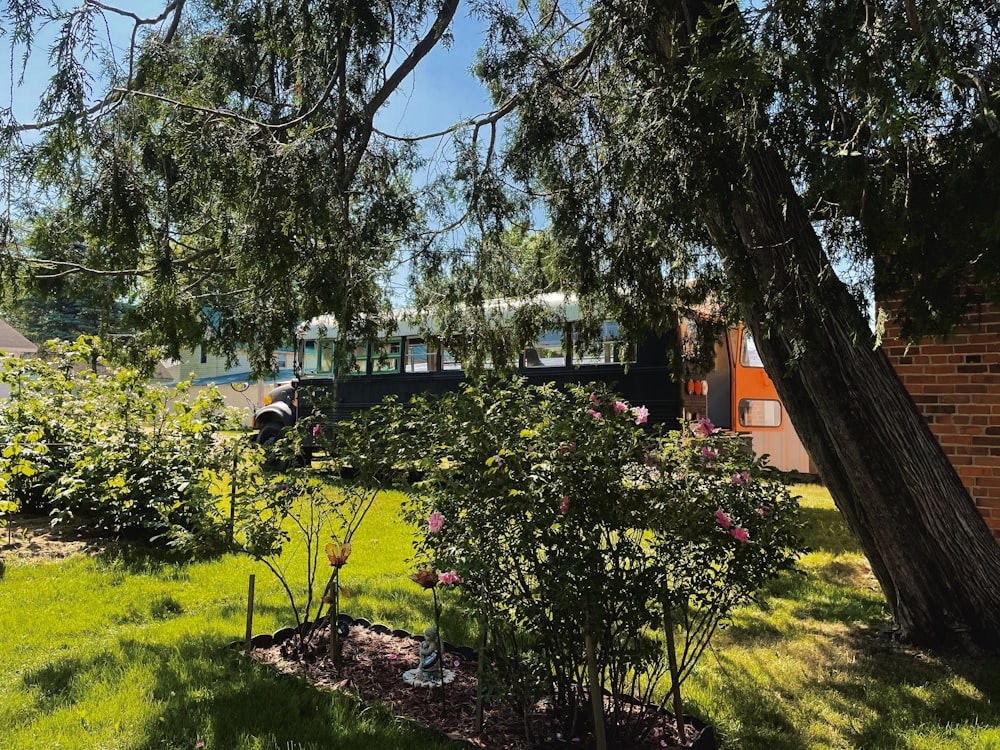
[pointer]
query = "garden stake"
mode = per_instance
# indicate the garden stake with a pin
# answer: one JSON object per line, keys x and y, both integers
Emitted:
{"x": 675, "y": 682}
{"x": 232, "y": 496}
{"x": 250, "y": 612}
{"x": 333, "y": 589}
{"x": 437, "y": 624}
{"x": 596, "y": 694}
{"x": 477, "y": 722}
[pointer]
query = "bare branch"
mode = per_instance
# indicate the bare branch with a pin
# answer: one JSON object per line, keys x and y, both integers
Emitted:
{"x": 137, "y": 19}
{"x": 424, "y": 46}
{"x": 222, "y": 113}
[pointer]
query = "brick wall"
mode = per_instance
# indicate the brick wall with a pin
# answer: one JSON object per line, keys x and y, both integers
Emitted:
{"x": 956, "y": 384}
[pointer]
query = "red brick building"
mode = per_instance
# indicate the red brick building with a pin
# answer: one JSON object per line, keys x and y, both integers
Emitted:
{"x": 955, "y": 383}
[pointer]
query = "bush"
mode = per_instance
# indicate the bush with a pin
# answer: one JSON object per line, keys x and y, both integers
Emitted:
{"x": 578, "y": 532}
{"x": 100, "y": 444}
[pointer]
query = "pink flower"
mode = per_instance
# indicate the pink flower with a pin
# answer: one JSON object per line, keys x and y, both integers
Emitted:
{"x": 641, "y": 414}
{"x": 456, "y": 663}
{"x": 199, "y": 745}
{"x": 762, "y": 511}
{"x": 709, "y": 453}
{"x": 594, "y": 400}
{"x": 393, "y": 656}
{"x": 594, "y": 414}
{"x": 435, "y": 521}
{"x": 740, "y": 478}
{"x": 740, "y": 534}
{"x": 704, "y": 428}
{"x": 723, "y": 519}
{"x": 564, "y": 505}
{"x": 316, "y": 430}
{"x": 448, "y": 578}
{"x": 620, "y": 406}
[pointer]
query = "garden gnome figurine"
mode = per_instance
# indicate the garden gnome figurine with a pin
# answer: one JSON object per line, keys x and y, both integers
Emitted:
{"x": 430, "y": 656}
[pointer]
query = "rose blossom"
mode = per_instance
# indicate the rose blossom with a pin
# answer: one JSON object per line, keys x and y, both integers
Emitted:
{"x": 435, "y": 521}
{"x": 723, "y": 518}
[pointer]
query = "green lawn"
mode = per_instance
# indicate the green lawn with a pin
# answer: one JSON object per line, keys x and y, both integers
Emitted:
{"x": 104, "y": 653}
{"x": 108, "y": 654}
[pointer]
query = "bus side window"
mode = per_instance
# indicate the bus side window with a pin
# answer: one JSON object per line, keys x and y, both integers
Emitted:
{"x": 448, "y": 361}
{"x": 607, "y": 351}
{"x": 546, "y": 351}
{"x": 386, "y": 358}
{"x": 325, "y": 356}
{"x": 759, "y": 412}
{"x": 418, "y": 358}
{"x": 308, "y": 357}
{"x": 749, "y": 357}
{"x": 359, "y": 360}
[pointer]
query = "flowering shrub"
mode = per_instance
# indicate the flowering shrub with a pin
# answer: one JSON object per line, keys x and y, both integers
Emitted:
{"x": 578, "y": 532}
{"x": 102, "y": 445}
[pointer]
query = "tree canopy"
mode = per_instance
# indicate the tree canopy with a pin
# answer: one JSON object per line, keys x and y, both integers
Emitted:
{"x": 227, "y": 173}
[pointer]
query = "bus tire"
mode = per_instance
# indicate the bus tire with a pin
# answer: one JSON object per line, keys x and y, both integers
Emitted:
{"x": 269, "y": 434}
{"x": 267, "y": 439}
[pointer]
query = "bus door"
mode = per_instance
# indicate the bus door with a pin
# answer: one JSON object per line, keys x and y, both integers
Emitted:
{"x": 756, "y": 408}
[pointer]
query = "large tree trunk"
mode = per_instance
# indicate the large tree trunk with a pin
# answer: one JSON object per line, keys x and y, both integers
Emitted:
{"x": 929, "y": 547}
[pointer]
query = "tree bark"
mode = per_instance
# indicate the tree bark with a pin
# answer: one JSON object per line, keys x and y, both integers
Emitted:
{"x": 928, "y": 545}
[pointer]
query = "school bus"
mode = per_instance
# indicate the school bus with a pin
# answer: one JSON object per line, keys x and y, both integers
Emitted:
{"x": 735, "y": 395}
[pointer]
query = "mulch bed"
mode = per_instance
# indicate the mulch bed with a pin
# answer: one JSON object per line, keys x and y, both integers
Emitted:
{"x": 374, "y": 660}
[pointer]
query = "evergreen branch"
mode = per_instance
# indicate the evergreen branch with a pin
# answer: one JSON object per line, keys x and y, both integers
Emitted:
{"x": 115, "y": 97}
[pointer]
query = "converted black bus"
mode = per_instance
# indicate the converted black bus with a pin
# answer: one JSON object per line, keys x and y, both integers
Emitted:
{"x": 406, "y": 363}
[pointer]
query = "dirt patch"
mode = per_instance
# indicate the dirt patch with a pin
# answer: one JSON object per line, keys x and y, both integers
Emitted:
{"x": 373, "y": 667}
{"x": 33, "y": 538}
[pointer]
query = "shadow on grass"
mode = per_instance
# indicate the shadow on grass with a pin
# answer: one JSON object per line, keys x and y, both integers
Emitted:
{"x": 234, "y": 702}
{"x": 824, "y": 530}
{"x": 904, "y": 689}
{"x": 863, "y": 691}
{"x": 201, "y": 691}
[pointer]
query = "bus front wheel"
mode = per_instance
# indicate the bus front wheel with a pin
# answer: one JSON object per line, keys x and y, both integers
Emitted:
{"x": 269, "y": 434}
{"x": 267, "y": 439}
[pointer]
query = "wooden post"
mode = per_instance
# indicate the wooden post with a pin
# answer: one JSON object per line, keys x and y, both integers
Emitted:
{"x": 477, "y": 722}
{"x": 675, "y": 674}
{"x": 596, "y": 693}
{"x": 249, "y": 635}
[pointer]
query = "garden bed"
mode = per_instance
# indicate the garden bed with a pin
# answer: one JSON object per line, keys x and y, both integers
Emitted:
{"x": 375, "y": 659}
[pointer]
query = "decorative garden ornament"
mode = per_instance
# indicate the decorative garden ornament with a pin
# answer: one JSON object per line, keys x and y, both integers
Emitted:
{"x": 430, "y": 669}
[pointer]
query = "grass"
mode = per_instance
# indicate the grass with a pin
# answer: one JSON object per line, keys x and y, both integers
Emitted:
{"x": 104, "y": 652}
{"x": 111, "y": 652}
{"x": 814, "y": 668}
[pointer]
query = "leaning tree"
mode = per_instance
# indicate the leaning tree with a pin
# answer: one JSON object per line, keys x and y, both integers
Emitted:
{"x": 751, "y": 146}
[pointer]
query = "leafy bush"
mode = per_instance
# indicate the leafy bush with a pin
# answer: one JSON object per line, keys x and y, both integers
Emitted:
{"x": 85, "y": 440}
{"x": 578, "y": 532}
{"x": 297, "y": 507}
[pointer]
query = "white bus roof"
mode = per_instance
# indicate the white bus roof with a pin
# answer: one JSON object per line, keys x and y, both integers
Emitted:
{"x": 325, "y": 326}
